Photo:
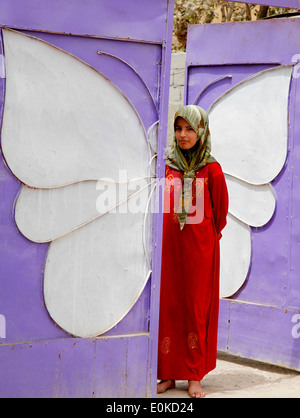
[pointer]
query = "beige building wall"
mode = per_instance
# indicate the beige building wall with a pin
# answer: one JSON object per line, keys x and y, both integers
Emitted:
{"x": 176, "y": 89}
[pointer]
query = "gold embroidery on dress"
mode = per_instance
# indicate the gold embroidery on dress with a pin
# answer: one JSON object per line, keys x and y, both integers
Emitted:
{"x": 199, "y": 185}
{"x": 169, "y": 183}
{"x": 165, "y": 345}
{"x": 192, "y": 340}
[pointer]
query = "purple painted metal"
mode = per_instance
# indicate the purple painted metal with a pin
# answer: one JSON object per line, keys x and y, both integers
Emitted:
{"x": 75, "y": 368}
{"x": 158, "y": 221}
{"x": 257, "y": 322}
{"x": 85, "y": 49}
{"x": 123, "y": 362}
{"x": 114, "y": 19}
{"x": 293, "y": 4}
{"x": 129, "y": 82}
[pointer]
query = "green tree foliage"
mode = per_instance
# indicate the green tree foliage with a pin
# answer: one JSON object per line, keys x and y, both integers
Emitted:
{"x": 189, "y": 12}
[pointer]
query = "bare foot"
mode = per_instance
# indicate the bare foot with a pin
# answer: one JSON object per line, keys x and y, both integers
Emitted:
{"x": 195, "y": 389}
{"x": 165, "y": 385}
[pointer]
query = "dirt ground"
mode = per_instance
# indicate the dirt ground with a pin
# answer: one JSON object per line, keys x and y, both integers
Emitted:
{"x": 240, "y": 378}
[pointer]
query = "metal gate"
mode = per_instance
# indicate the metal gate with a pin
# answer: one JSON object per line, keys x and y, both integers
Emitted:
{"x": 246, "y": 75}
{"x": 84, "y": 97}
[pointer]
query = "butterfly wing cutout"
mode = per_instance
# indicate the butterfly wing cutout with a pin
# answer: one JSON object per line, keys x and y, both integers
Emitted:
{"x": 67, "y": 134}
{"x": 95, "y": 274}
{"x": 249, "y": 127}
{"x": 63, "y": 119}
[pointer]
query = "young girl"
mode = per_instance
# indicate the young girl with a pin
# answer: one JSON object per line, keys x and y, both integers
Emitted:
{"x": 196, "y": 205}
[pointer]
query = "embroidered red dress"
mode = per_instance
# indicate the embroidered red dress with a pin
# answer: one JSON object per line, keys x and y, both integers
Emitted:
{"x": 189, "y": 301}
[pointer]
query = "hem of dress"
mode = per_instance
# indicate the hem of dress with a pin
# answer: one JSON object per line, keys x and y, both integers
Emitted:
{"x": 198, "y": 377}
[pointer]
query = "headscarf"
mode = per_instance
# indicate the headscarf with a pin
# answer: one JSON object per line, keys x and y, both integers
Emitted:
{"x": 189, "y": 161}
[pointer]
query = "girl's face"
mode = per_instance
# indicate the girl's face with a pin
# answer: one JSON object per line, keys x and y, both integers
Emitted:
{"x": 185, "y": 135}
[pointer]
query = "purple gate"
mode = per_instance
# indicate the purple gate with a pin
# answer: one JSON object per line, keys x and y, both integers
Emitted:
{"x": 246, "y": 74}
{"x": 130, "y": 47}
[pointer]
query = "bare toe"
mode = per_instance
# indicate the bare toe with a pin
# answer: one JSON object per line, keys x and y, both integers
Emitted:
{"x": 195, "y": 389}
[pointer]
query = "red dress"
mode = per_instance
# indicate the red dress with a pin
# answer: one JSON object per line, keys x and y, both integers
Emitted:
{"x": 189, "y": 299}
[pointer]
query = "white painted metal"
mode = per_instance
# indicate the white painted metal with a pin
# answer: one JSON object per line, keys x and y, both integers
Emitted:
{"x": 153, "y": 136}
{"x": 249, "y": 126}
{"x": 252, "y": 204}
{"x": 66, "y": 126}
{"x": 2, "y": 66}
{"x": 235, "y": 248}
{"x": 94, "y": 275}
{"x": 65, "y": 122}
{"x": 43, "y": 215}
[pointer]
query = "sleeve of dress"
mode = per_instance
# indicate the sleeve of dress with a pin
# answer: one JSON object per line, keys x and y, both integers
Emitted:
{"x": 219, "y": 197}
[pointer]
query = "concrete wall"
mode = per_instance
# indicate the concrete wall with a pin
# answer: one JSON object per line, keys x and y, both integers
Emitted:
{"x": 176, "y": 88}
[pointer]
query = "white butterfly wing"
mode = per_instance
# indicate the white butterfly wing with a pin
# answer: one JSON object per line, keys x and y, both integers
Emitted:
{"x": 65, "y": 126}
{"x": 153, "y": 136}
{"x": 64, "y": 121}
{"x": 235, "y": 249}
{"x": 43, "y": 215}
{"x": 251, "y": 204}
{"x": 95, "y": 274}
{"x": 249, "y": 126}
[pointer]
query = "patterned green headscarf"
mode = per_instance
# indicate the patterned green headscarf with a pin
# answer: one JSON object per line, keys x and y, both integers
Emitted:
{"x": 194, "y": 159}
